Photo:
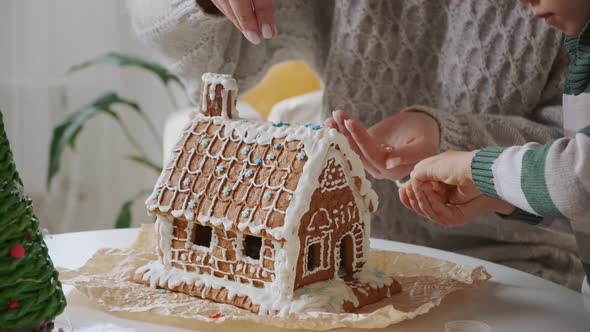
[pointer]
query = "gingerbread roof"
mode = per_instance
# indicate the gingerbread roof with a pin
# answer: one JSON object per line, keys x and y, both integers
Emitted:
{"x": 250, "y": 176}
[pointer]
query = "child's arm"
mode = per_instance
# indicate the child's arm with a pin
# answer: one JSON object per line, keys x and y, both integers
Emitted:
{"x": 551, "y": 180}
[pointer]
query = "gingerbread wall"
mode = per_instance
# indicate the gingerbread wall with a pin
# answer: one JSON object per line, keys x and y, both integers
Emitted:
{"x": 224, "y": 258}
{"x": 332, "y": 215}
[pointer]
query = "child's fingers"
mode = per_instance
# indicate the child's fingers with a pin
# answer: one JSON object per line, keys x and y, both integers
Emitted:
{"x": 413, "y": 200}
{"x": 425, "y": 205}
{"x": 403, "y": 197}
{"x": 448, "y": 215}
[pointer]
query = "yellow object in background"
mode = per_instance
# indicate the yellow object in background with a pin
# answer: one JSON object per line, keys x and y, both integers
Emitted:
{"x": 282, "y": 81}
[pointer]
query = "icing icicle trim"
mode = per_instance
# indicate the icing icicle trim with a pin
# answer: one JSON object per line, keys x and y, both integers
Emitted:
{"x": 211, "y": 81}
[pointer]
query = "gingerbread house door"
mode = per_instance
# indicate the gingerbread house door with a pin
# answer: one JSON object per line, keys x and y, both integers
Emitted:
{"x": 346, "y": 253}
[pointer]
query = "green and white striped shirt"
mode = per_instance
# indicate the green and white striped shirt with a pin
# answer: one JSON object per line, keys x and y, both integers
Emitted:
{"x": 550, "y": 183}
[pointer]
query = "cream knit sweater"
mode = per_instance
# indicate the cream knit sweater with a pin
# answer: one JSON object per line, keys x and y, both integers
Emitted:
{"x": 486, "y": 70}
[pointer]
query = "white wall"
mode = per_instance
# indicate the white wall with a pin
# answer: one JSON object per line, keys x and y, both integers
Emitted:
{"x": 39, "y": 41}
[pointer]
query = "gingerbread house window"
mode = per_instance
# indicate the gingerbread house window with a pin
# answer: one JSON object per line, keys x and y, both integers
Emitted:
{"x": 314, "y": 259}
{"x": 202, "y": 235}
{"x": 252, "y": 245}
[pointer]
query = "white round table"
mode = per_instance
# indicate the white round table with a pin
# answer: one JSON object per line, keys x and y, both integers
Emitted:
{"x": 512, "y": 301}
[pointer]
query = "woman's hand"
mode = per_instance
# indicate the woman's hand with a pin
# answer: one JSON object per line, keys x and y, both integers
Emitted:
{"x": 390, "y": 148}
{"x": 254, "y": 18}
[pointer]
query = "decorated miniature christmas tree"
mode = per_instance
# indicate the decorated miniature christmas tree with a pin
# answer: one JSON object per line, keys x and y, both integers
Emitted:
{"x": 30, "y": 293}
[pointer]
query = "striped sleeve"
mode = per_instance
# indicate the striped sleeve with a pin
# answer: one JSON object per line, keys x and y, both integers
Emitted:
{"x": 551, "y": 180}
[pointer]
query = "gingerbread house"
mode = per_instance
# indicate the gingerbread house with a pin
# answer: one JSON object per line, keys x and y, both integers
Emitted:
{"x": 269, "y": 217}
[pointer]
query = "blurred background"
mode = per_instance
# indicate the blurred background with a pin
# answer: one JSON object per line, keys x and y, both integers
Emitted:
{"x": 97, "y": 185}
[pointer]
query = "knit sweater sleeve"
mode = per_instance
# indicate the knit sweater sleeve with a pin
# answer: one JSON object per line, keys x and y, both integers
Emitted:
{"x": 471, "y": 129}
{"x": 550, "y": 180}
{"x": 191, "y": 40}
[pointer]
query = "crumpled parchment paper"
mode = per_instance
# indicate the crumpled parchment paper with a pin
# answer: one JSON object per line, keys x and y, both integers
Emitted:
{"x": 425, "y": 281}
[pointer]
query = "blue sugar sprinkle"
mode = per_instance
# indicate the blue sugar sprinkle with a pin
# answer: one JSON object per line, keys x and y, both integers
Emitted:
{"x": 281, "y": 124}
{"x": 162, "y": 291}
{"x": 186, "y": 181}
{"x": 249, "y": 173}
{"x": 204, "y": 142}
{"x": 267, "y": 195}
{"x": 301, "y": 155}
{"x": 226, "y": 191}
{"x": 270, "y": 156}
{"x": 192, "y": 204}
{"x": 245, "y": 213}
{"x": 219, "y": 169}
{"x": 276, "y": 146}
{"x": 245, "y": 150}
{"x": 258, "y": 161}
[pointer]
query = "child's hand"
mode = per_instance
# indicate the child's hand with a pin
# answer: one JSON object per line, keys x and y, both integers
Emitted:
{"x": 441, "y": 189}
{"x": 430, "y": 200}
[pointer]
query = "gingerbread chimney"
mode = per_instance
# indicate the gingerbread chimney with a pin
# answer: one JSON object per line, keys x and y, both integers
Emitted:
{"x": 219, "y": 94}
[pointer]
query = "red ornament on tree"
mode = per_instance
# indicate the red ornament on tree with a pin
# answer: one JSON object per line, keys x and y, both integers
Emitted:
{"x": 17, "y": 251}
{"x": 28, "y": 237}
{"x": 13, "y": 304}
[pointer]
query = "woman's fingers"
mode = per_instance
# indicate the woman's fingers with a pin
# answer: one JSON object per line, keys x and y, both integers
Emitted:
{"x": 265, "y": 18}
{"x": 226, "y": 9}
{"x": 412, "y": 152}
{"x": 372, "y": 151}
{"x": 398, "y": 172}
{"x": 337, "y": 122}
{"x": 330, "y": 122}
{"x": 246, "y": 18}
{"x": 339, "y": 117}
